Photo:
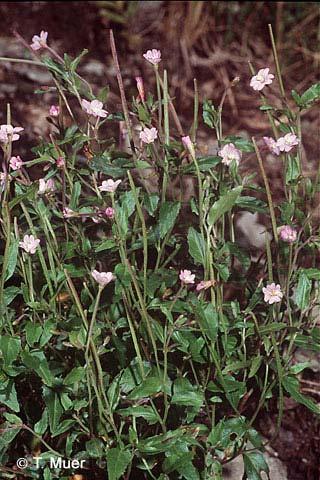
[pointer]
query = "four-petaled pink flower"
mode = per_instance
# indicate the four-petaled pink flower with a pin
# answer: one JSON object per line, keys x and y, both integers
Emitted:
{"x": 54, "y": 110}
{"x": 272, "y": 293}
{"x": 15, "y": 163}
{"x": 109, "y": 185}
{"x": 272, "y": 145}
{"x": 229, "y": 153}
{"x": 288, "y": 142}
{"x": 29, "y": 244}
{"x": 148, "y": 135}
{"x": 140, "y": 88}
{"x": 186, "y": 277}
{"x": 188, "y": 145}
{"x": 39, "y": 41}
{"x": 153, "y": 56}
{"x": 109, "y": 212}
{"x": 262, "y": 79}
{"x": 287, "y": 233}
{"x": 8, "y": 132}
{"x": 46, "y": 186}
{"x": 103, "y": 278}
{"x": 94, "y": 108}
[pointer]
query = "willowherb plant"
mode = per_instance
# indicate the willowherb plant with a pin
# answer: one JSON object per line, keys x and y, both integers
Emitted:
{"x": 119, "y": 341}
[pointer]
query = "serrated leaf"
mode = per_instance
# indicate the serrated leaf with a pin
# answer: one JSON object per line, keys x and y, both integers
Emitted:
{"x": 33, "y": 333}
{"x": 254, "y": 464}
{"x": 74, "y": 376}
{"x": 12, "y": 258}
{"x": 117, "y": 462}
{"x": 42, "y": 425}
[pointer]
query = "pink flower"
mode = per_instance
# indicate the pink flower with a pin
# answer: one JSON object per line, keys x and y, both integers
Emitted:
{"x": 286, "y": 143}
{"x": 272, "y": 145}
{"x": 229, "y": 153}
{"x": 188, "y": 145}
{"x": 287, "y": 233}
{"x": 60, "y": 162}
{"x": 39, "y": 42}
{"x": 29, "y": 244}
{"x": 94, "y": 108}
{"x": 148, "y": 135}
{"x": 204, "y": 285}
{"x": 46, "y": 186}
{"x": 8, "y": 132}
{"x": 140, "y": 88}
{"x": 262, "y": 79}
{"x": 272, "y": 293}
{"x": 186, "y": 277}
{"x": 15, "y": 163}
{"x": 109, "y": 186}
{"x": 103, "y": 278}
{"x": 153, "y": 56}
{"x": 68, "y": 213}
{"x": 54, "y": 110}
{"x": 109, "y": 212}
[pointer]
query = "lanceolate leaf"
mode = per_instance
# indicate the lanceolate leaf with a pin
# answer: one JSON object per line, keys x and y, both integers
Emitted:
{"x": 254, "y": 464}
{"x": 197, "y": 246}
{"x": 223, "y": 205}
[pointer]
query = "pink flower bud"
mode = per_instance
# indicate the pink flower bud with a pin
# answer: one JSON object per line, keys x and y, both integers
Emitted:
{"x": 188, "y": 145}
{"x": 60, "y": 162}
{"x": 140, "y": 88}
{"x": 109, "y": 212}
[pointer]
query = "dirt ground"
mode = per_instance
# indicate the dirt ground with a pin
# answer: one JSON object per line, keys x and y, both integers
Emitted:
{"x": 210, "y": 41}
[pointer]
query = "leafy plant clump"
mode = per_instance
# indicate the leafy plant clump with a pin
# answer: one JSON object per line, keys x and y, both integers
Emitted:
{"x": 138, "y": 335}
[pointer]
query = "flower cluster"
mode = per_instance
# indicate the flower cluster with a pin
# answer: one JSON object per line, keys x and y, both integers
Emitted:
{"x": 283, "y": 144}
{"x": 153, "y": 56}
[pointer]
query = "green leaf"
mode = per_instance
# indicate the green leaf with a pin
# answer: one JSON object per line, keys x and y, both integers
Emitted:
{"x": 105, "y": 245}
{"x": 209, "y": 114}
{"x": 293, "y": 168}
{"x": 291, "y": 385}
{"x": 14, "y": 419}
{"x": 197, "y": 246}
{"x": 204, "y": 164}
{"x": 145, "y": 412}
{"x": 8, "y": 396}
{"x": 39, "y": 364}
{"x": 184, "y": 393}
{"x": 76, "y": 374}
{"x": 42, "y": 425}
{"x": 76, "y": 191}
{"x": 117, "y": 462}
{"x": 240, "y": 143}
{"x": 150, "y": 386}
{"x": 12, "y": 258}
{"x": 7, "y": 436}
{"x": 223, "y": 205}
{"x": 302, "y": 293}
{"x": 95, "y": 448}
{"x": 167, "y": 216}
{"x": 9, "y": 294}
{"x": 208, "y": 319}
{"x": 33, "y": 333}
{"x": 255, "y": 365}
{"x": 254, "y": 464}
{"x": 55, "y": 409}
{"x": 63, "y": 427}
{"x": 151, "y": 202}
{"x": 9, "y": 348}
{"x": 251, "y": 204}
{"x": 311, "y": 94}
